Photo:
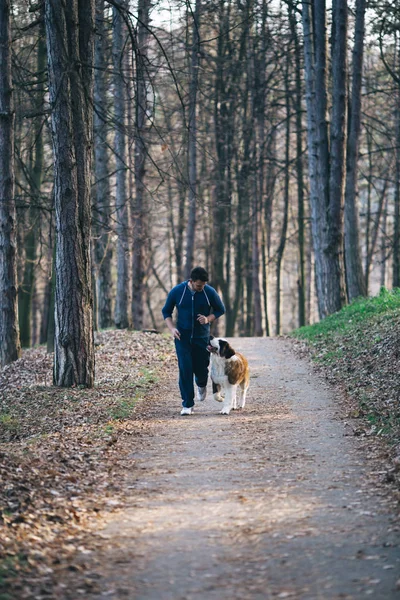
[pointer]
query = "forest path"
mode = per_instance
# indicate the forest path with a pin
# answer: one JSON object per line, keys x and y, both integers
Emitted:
{"x": 269, "y": 502}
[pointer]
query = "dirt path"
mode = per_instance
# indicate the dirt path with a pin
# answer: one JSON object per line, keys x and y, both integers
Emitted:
{"x": 271, "y": 502}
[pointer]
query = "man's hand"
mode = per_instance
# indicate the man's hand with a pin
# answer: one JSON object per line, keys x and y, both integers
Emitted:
{"x": 175, "y": 333}
{"x": 202, "y": 319}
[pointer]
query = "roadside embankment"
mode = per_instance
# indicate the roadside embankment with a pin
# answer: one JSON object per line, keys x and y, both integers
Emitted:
{"x": 359, "y": 349}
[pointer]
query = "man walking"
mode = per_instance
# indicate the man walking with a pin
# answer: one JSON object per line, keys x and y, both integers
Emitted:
{"x": 198, "y": 304}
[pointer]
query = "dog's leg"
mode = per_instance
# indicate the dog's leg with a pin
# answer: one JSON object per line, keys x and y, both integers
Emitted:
{"x": 228, "y": 400}
{"x": 239, "y": 392}
{"x": 216, "y": 392}
{"x": 235, "y": 399}
{"x": 244, "y": 392}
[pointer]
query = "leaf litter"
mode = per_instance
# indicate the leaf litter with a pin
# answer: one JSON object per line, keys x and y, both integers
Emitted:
{"x": 364, "y": 365}
{"x": 64, "y": 453}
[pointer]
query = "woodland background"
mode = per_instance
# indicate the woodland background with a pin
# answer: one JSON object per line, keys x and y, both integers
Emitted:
{"x": 218, "y": 129}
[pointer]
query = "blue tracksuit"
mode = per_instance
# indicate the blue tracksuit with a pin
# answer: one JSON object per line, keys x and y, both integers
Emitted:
{"x": 191, "y": 349}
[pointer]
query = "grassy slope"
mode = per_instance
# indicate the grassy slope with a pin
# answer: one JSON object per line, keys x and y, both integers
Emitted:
{"x": 359, "y": 347}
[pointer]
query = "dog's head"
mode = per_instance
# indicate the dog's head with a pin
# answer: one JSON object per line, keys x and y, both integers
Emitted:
{"x": 220, "y": 347}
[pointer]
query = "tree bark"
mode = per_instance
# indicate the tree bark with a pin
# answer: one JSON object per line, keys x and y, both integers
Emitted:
{"x": 301, "y": 282}
{"x": 383, "y": 244}
{"x": 70, "y": 36}
{"x": 255, "y": 262}
{"x": 338, "y": 145}
{"x": 396, "y": 217}
{"x": 139, "y": 210}
{"x": 121, "y": 316}
{"x": 192, "y": 142}
{"x": 282, "y": 241}
{"x": 326, "y": 189}
{"x": 354, "y": 273}
{"x": 9, "y": 334}
{"x": 102, "y": 231}
{"x": 26, "y": 291}
{"x": 371, "y": 246}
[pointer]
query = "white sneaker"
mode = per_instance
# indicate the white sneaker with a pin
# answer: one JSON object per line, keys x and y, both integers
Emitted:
{"x": 186, "y": 411}
{"x": 201, "y": 393}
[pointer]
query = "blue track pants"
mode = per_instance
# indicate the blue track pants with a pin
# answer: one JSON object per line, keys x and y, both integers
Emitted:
{"x": 193, "y": 360}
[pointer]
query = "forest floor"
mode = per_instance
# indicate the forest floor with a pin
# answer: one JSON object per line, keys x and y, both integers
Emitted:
{"x": 109, "y": 493}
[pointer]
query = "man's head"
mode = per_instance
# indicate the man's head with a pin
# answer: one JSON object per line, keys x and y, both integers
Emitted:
{"x": 198, "y": 278}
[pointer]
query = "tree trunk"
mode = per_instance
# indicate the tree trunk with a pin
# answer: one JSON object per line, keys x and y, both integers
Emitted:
{"x": 192, "y": 154}
{"x": 301, "y": 282}
{"x": 258, "y": 68}
{"x": 121, "y": 316}
{"x": 268, "y": 210}
{"x": 371, "y": 247}
{"x": 102, "y": 231}
{"x": 383, "y": 245}
{"x": 309, "y": 62}
{"x": 26, "y": 291}
{"x": 354, "y": 273}
{"x": 51, "y": 314}
{"x": 282, "y": 242}
{"x": 326, "y": 190}
{"x": 255, "y": 264}
{"x": 338, "y": 145}
{"x": 70, "y": 35}
{"x": 49, "y": 284}
{"x": 396, "y": 218}
{"x": 369, "y": 194}
{"x": 9, "y": 335}
{"x": 139, "y": 212}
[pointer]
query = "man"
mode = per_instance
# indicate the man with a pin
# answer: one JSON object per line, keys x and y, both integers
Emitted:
{"x": 198, "y": 305}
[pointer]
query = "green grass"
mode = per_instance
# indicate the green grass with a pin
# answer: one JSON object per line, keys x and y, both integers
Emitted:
{"x": 9, "y": 567}
{"x": 123, "y": 408}
{"x": 8, "y": 421}
{"x": 350, "y": 316}
{"x": 358, "y": 346}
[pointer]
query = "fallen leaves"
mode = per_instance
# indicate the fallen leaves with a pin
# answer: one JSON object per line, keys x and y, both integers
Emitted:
{"x": 364, "y": 362}
{"x": 61, "y": 451}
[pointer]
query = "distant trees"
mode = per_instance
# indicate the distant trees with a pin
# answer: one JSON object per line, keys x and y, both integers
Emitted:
{"x": 202, "y": 130}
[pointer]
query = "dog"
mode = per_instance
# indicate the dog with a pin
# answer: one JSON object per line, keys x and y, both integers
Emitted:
{"x": 229, "y": 373}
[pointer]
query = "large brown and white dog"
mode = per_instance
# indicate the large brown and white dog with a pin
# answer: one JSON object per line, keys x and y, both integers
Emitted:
{"x": 229, "y": 374}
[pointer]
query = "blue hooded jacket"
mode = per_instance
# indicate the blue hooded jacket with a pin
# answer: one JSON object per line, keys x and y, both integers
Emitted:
{"x": 190, "y": 305}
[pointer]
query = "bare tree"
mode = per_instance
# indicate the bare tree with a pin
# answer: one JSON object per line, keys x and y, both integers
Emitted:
{"x": 192, "y": 141}
{"x": 139, "y": 207}
{"x": 9, "y": 335}
{"x": 282, "y": 240}
{"x": 27, "y": 288}
{"x": 298, "y": 98}
{"x": 70, "y": 37}
{"x": 121, "y": 316}
{"x": 354, "y": 273}
{"x": 102, "y": 229}
{"x": 326, "y": 155}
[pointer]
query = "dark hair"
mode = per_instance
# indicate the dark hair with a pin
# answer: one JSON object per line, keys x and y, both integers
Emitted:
{"x": 199, "y": 273}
